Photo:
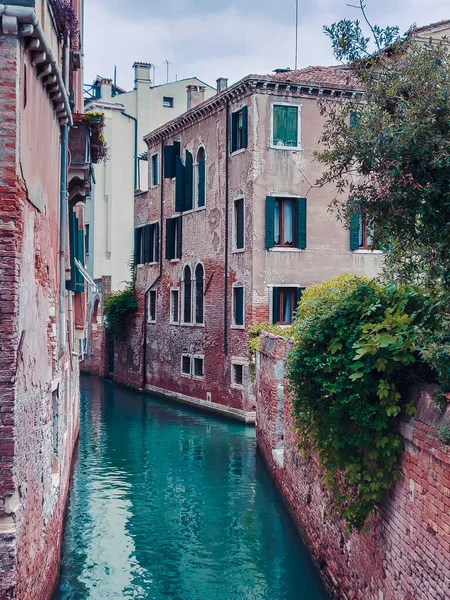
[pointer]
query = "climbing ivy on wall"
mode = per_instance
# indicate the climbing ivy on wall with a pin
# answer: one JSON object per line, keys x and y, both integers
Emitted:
{"x": 358, "y": 344}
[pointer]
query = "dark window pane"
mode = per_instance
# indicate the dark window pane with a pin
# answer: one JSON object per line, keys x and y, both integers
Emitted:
{"x": 187, "y": 284}
{"x": 174, "y": 305}
{"x": 152, "y": 305}
{"x": 155, "y": 173}
{"x": 186, "y": 365}
{"x": 168, "y": 102}
{"x": 238, "y": 305}
{"x": 199, "y": 294}
{"x": 239, "y": 223}
{"x": 238, "y": 374}
{"x": 198, "y": 367}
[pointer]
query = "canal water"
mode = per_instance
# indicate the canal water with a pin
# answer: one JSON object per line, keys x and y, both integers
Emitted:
{"x": 170, "y": 503}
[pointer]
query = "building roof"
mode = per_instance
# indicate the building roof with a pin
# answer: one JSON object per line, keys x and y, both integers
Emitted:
{"x": 336, "y": 77}
{"x": 437, "y": 25}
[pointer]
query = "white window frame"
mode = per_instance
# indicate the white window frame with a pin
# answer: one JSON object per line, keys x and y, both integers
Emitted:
{"x": 182, "y": 321}
{"x": 236, "y": 250}
{"x": 299, "y": 127}
{"x": 201, "y": 357}
{"x": 183, "y": 374}
{"x": 171, "y": 321}
{"x": 194, "y": 295}
{"x": 242, "y": 362}
{"x": 149, "y": 320}
{"x": 154, "y": 185}
{"x": 236, "y": 152}
{"x": 271, "y": 287}
{"x": 233, "y": 323}
{"x": 155, "y": 262}
{"x": 195, "y": 180}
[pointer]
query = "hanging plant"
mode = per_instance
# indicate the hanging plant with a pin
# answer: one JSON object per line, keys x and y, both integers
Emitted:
{"x": 66, "y": 19}
{"x": 99, "y": 146}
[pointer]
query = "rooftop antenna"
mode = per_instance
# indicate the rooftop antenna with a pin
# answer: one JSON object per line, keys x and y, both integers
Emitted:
{"x": 115, "y": 81}
{"x": 167, "y": 69}
{"x": 296, "y": 34}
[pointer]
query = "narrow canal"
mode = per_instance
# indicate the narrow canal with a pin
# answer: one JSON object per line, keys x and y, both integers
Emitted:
{"x": 170, "y": 503}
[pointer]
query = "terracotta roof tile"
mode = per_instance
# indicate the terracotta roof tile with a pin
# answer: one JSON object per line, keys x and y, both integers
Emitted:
{"x": 430, "y": 26}
{"x": 336, "y": 77}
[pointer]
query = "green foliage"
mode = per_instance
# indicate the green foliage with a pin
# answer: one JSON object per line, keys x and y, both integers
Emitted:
{"x": 118, "y": 310}
{"x": 393, "y": 165}
{"x": 443, "y": 433}
{"x": 358, "y": 344}
{"x": 253, "y": 346}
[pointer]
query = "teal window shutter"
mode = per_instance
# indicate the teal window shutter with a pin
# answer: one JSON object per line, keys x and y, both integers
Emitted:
{"x": 169, "y": 162}
{"x": 156, "y": 241}
{"x": 270, "y": 233}
{"x": 285, "y": 126}
{"x": 70, "y": 285}
{"x": 188, "y": 181}
{"x": 79, "y": 279}
{"x": 275, "y": 305}
{"x": 233, "y": 132}
{"x": 354, "y": 231}
{"x": 244, "y": 126}
{"x": 179, "y": 185}
{"x": 201, "y": 180}
{"x": 177, "y": 149}
{"x": 300, "y": 223}
{"x": 179, "y": 237}
{"x": 147, "y": 243}
{"x": 169, "y": 239}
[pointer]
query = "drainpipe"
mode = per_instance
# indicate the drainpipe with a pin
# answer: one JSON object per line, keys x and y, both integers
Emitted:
{"x": 225, "y": 302}
{"x": 135, "y": 147}
{"x": 63, "y": 224}
{"x": 161, "y": 223}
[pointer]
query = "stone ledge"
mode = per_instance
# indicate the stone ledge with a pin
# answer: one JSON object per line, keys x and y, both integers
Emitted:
{"x": 237, "y": 414}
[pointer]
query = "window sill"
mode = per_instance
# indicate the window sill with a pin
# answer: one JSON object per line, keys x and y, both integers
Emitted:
{"x": 285, "y": 249}
{"x": 237, "y": 386}
{"x": 174, "y": 322}
{"x": 192, "y": 324}
{"x": 174, "y": 260}
{"x": 199, "y": 208}
{"x": 241, "y": 327}
{"x": 153, "y": 186}
{"x": 238, "y": 250}
{"x": 367, "y": 251}
{"x": 186, "y": 375}
{"x": 152, "y": 264}
{"x": 198, "y": 378}
{"x": 151, "y": 321}
{"x": 291, "y": 148}
{"x": 236, "y": 152}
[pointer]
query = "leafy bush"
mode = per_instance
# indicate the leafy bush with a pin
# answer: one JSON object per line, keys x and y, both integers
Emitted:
{"x": 253, "y": 346}
{"x": 119, "y": 309}
{"x": 358, "y": 344}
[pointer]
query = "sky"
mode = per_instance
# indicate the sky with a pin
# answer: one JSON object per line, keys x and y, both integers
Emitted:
{"x": 211, "y": 38}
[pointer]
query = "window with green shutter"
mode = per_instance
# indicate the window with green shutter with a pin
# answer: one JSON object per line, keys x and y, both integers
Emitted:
{"x": 284, "y": 304}
{"x": 201, "y": 183}
{"x": 239, "y": 129}
{"x": 76, "y": 247}
{"x": 285, "y": 222}
{"x": 173, "y": 238}
{"x": 188, "y": 181}
{"x": 180, "y": 184}
{"x": 285, "y": 126}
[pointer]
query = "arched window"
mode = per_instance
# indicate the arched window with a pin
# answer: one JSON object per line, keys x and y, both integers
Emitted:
{"x": 200, "y": 194}
{"x": 199, "y": 293}
{"x": 187, "y": 294}
{"x": 189, "y": 166}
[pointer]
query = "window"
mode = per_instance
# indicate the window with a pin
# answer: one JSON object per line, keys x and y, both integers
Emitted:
{"x": 200, "y": 179}
{"x": 285, "y": 300}
{"x": 199, "y": 365}
{"x": 285, "y": 222}
{"x": 187, "y": 294}
{"x": 238, "y": 305}
{"x": 238, "y": 224}
{"x": 188, "y": 182}
{"x": 239, "y": 127}
{"x": 146, "y": 244}
{"x": 285, "y": 126}
{"x": 152, "y": 306}
{"x": 362, "y": 236}
{"x": 86, "y": 240}
{"x": 174, "y": 306}
{"x": 155, "y": 170}
{"x": 173, "y": 238}
{"x": 237, "y": 374}
{"x": 186, "y": 364}
{"x": 199, "y": 294}
{"x": 170, "y": 155}
{"x": 167, "y": 102}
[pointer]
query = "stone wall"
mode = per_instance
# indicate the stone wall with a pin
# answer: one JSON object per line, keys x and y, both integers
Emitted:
{"x": 406, "y": 553}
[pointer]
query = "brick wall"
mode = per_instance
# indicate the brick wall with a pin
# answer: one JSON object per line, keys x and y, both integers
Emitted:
{"x": 406, "y": 554}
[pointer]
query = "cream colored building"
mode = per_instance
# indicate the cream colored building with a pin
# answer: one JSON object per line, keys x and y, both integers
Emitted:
{"x": 128, "y": 117}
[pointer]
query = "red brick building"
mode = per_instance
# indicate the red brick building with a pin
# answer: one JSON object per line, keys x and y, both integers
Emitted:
{"x": 230, "y": 231}
{"x": 42, "y": 296}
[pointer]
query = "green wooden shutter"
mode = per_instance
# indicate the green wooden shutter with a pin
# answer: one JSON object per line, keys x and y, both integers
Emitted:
{"x": 201, "y": 180}
{"x": 169, "y": 239}
{"x": 244, "y": 126}
{"x": 148, "y": 234}
{"x": 177, "y": 149}
{"x": 279, "y": 133}
{"x": 270, "y": 226}
{"x": 179, "y": 185}
{"x": 300, "y": 223}
{"x": 156, "y": 237}
{"x": 188, "y": 181}
{"x": 275, "y": 305}
{"x": 233, "y": 132}
{"x": 179, "y": 238}
{"x": 70, "y": 285}
{"x": 291, "y": 126}
{"x": 354, "y": 231}
{"x": 79, "y": 254}
{"x": 169, "y": 162}
{"x": 136, "y": 252}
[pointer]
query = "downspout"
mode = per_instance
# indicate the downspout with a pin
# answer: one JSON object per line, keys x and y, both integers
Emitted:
{"x": 63, "y": 224}
{"x": 161, "y": 222}
{"x": 225, "y": 301}
{"x": 135, "y": 147}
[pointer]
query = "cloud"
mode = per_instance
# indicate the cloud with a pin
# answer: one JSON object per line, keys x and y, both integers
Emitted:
{"x": 208, "y": 39}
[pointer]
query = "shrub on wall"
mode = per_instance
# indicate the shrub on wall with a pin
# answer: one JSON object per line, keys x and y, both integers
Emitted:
{"x": 253, "y": 346}
{"x": 358, "y": 344}
{"x": 119, "y": 309}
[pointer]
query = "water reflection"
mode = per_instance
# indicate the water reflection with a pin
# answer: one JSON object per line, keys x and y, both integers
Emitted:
{"x": 170, "y": 503}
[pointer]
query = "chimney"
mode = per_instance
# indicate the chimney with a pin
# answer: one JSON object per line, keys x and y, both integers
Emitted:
{"x": 142, "y": 74}
{"x": 195, "y": 95}
{"x": 105, "y": 88}
{"x": 222, "y": 84}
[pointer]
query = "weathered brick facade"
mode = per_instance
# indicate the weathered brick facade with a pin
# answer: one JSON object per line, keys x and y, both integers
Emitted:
{"x": 39, "y": 393}
{"x": 406, "y": 554}
{"x": 253, "y": 173}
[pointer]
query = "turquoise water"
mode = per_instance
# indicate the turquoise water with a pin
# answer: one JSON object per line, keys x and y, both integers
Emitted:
{"x": 171, "y": 503}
